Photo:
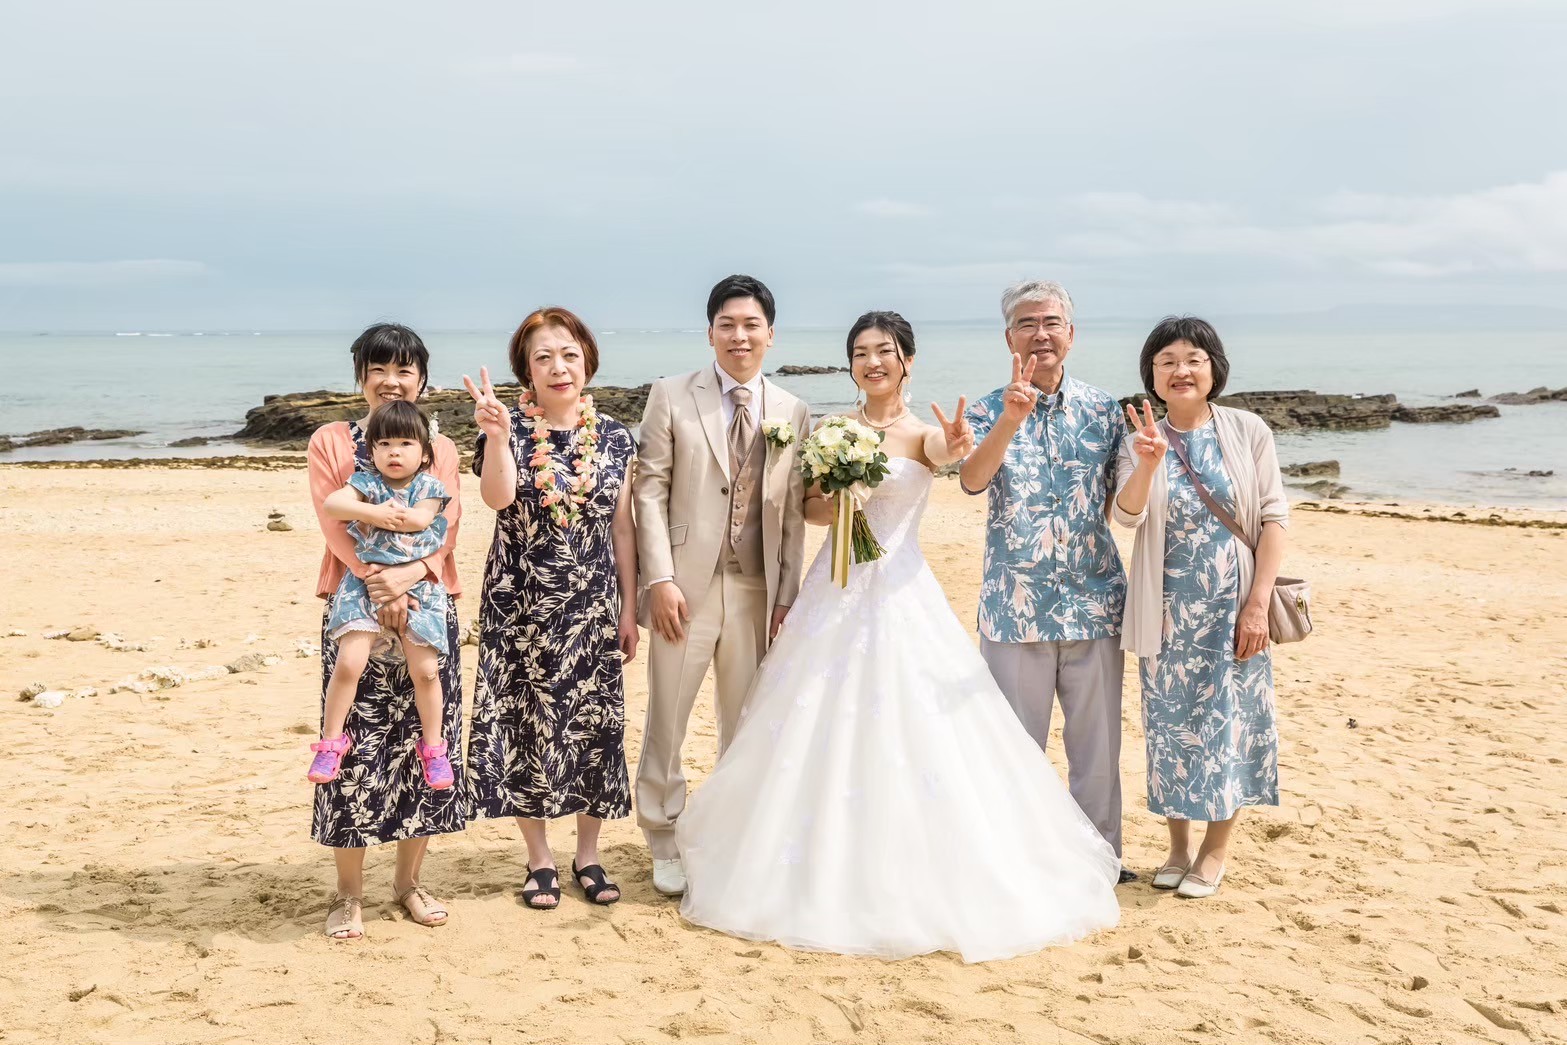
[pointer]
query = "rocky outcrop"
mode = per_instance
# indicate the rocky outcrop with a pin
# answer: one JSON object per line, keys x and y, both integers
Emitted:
{"x": 1311, "y": 470}
{"x": 1473, "y": 393}
{"x": 287, "y": 421}
{"x": 1447, "y": 413}
{"x": 1291, "y": 410}
{"x": 1531, "y": 397}
{"x": 793, "y": 370}
{"x": 63, "y": 436}
{"x": 1326, "y": 489}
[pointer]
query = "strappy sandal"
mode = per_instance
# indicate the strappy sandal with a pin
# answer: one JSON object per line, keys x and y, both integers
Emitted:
{"x": 547, "y": 883}
{"x": 600, "y": 883}
{"x": 343, "y": 920}
{"x": 421, "y": 906}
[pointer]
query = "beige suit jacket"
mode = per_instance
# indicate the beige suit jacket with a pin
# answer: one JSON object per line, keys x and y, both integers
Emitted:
{"x": 681, "y": 490}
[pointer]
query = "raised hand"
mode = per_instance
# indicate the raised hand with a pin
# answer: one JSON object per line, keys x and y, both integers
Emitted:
{"x": 1148, "y": 441}
{"x": 1020, "y": 395}
{"x": 489, "y": 413}
{"x": 958, "y": 433}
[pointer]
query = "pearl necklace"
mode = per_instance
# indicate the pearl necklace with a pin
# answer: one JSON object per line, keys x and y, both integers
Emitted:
{"x": 882, "y": 428}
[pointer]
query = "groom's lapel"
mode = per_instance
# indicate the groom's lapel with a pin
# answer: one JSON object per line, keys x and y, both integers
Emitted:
{"x": 710, "y": 407}
{"x": 775, "y": 407}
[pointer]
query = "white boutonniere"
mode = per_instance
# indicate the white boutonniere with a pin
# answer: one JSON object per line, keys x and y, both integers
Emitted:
{"x": 778, "y": 433}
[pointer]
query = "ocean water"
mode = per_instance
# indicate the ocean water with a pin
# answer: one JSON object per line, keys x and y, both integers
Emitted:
{"x": 177, "y": 384}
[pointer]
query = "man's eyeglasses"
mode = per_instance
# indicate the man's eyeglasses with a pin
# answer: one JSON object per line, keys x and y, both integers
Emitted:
{"x": 1030, "y": 327}
{"x": 1169, "y": 366}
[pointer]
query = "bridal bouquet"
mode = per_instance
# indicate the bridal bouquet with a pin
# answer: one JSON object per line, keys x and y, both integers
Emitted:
{"x": 845, "y": 459}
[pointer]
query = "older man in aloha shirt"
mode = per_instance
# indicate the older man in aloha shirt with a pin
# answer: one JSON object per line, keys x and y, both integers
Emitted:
{"x": 1050, "y": 604}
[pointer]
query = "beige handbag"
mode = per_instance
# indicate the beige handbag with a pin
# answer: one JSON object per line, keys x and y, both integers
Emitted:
{"x": 1289, "y": 610}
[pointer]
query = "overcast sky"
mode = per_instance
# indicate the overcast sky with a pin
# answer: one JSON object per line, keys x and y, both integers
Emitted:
{"x": 322, "y": 164}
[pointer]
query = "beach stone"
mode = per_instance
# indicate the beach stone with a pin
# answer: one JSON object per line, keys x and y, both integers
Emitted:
{"x": 795, "y": 370}
{"x": 82, "y": 634}
{"x": 16, "y": 633}
{"x": 1531, "y": 397}
{"x": 287, "y": 421}
{"x": 470, "y": 634}
{"x": 85, "y": 691}
{"x": 195, "y": 440}
{"x": 1325, "y": 488}
{"x": 1311, "y": 470}
{"x": 63, "y": 436}
{"x": 253, "y": 662}
{"x": 304, "y": 648}
{"x": 1448, "y": 413}
{"x": 279, "y": 525}
{"x": 32, "y": 689}
{"x": 50, "y": 698}
{"x": 60, "y": 634}
{"x": 1298, "y": 409}
{"x": 1472, "y": 393}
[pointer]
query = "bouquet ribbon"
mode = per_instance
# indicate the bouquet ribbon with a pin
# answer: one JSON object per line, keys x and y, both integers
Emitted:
{"x": 842, "y": 537}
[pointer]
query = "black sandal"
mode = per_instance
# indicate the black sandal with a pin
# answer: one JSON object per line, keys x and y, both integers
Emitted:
{"x": 548, "y": 884}
{"x": 601, "y": 883}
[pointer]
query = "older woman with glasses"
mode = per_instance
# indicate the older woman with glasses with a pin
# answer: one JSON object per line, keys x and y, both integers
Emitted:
{"x": 1196, "y": 607}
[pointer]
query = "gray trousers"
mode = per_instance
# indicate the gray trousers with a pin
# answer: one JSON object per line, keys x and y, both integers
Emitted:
{"x": 1085, "y": 676}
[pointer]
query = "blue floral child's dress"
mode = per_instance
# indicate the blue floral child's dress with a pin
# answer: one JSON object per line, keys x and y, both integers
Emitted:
{"x": 351, "y": 609}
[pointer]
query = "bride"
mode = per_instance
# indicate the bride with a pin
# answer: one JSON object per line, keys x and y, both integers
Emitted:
{"x": 880, "y": 796}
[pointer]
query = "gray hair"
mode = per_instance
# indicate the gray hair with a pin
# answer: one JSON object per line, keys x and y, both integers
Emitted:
{"x": 1031, "y": 291}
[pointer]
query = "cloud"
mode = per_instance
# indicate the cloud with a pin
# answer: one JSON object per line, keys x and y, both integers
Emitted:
{"x": 1506, "y": 229}
{"x": 892, "y": 209}
{"x": 99, "y": 274}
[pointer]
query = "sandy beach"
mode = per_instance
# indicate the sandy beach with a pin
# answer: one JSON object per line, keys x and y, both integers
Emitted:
{"x": 160, "y": 884}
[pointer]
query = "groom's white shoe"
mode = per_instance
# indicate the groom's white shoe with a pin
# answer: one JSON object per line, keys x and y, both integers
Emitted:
{"x": 669, "y": 876}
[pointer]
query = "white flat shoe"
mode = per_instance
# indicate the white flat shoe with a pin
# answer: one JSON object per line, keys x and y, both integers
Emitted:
{"x": 1195, "y": 887}
{"x": 669, "y": 876}
{"x": 1169, "y": 876}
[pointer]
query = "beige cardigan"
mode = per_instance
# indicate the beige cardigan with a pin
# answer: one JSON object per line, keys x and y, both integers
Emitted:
{"x": 1246, "y": 443}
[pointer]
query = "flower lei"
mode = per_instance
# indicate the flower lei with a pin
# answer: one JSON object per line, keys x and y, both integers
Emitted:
{"x": 564, "y": 497}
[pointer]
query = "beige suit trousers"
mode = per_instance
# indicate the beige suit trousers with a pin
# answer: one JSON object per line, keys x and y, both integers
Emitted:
{"x": 729, "y": 632}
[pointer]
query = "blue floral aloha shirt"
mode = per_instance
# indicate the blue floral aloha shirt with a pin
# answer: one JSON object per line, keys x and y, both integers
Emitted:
{"x": 1052, "y": 572}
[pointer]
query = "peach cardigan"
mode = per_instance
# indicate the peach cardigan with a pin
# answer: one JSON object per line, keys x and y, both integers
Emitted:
{"x": 331, "y": 463}
{"x": 1246, "y": 444}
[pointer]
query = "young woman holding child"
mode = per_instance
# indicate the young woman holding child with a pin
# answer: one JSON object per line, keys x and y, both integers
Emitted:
{"x": 385, "y": 753}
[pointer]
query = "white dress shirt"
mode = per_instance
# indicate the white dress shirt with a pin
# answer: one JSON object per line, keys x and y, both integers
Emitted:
{"x": 727, "y": 384}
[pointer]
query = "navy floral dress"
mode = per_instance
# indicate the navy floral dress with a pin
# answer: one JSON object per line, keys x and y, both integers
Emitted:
{"x": 380, "y": 794}
{"x": 1209, "y": 718}
{"x": 549, "y": 717}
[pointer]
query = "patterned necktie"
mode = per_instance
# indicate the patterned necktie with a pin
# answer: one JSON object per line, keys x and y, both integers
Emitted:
{"x": 742, "y": 431}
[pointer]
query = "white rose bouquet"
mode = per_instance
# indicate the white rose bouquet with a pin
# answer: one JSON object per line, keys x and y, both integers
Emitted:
{"x": 845, "y": 459}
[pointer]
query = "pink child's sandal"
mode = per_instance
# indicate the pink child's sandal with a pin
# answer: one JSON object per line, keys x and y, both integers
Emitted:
{"x": 437, "y": 767}
{"x": 329, "y": 758}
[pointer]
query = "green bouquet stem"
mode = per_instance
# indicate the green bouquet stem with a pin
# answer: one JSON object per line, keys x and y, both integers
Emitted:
{"x": 864, "y": 543}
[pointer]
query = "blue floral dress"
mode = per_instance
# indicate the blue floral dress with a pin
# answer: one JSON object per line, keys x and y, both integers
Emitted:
{"x": 1209, "y": 719}
{"x": 351, "y": 609}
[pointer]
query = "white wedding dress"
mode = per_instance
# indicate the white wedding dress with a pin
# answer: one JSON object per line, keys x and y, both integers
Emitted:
{"x": 880, "y": 796}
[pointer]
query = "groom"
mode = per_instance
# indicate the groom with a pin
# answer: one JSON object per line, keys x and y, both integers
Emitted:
{"x": 720, "y": 538}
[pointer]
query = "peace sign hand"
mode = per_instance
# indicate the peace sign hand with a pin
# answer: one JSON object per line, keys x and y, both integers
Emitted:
{"x": 1020, "y": 395}
{"x": 489, "y": 413}
{"x": 959, "y": 434}
{"x": 1148, "y": 441}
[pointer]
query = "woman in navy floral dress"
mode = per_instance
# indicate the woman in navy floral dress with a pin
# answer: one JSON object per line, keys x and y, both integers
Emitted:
{"x": 557, "y": 616}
